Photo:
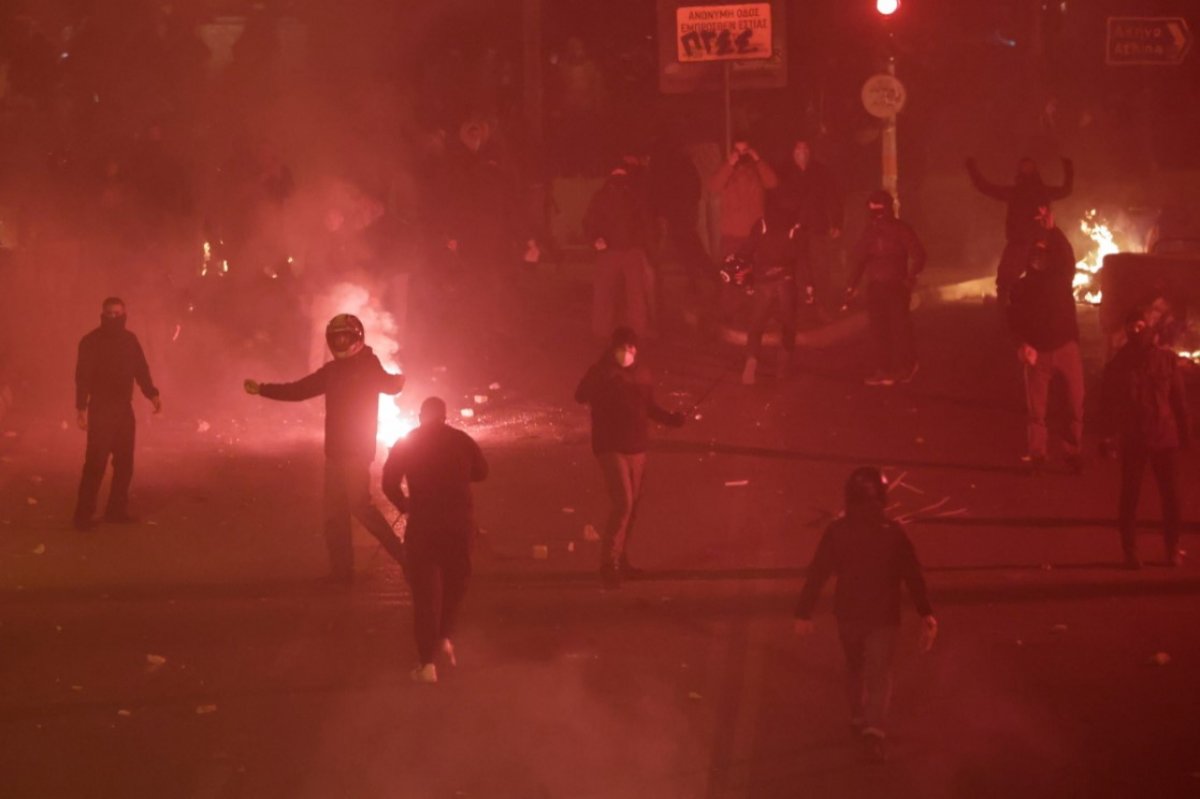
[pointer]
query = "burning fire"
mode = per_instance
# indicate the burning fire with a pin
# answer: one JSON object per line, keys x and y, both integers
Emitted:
{"x": 381, "y": 331}
{"x": 1086, "y": 282}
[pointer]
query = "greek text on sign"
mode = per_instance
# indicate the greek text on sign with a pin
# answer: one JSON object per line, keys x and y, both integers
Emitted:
{"x": 883, "y": 96}
{"x": 723, "y": 33}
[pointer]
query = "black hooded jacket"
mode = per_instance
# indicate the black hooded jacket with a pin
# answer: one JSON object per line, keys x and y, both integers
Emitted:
{"x": 1024, "y": 197}
{"x": 622, "y": 403}
{"x": 871, "y": 556}
{"x": 888, "y": 252}
{"x": 109, "y": 362}
{"x": 1143, "y": 400}
{"x": 1042, "y": 311}
{"x": 619, "y": 214}
{"x": 351, "y": 387}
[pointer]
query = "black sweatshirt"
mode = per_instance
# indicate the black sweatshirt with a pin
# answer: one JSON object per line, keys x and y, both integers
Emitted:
{"x": 778, "y": 252}
{"x": 887, "y": 252}
{"x": 871, "y": 556}
{"x": 440, "y": 463}
{"x": 109, "y": 363}
{"x": 622, "y": 402}
{"x": 1042, "y": 312}
{"x": 1143, "y": 399}
{"x": 351, "y": 387}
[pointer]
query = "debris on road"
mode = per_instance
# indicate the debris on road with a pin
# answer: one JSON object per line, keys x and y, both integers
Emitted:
{"x": 154, "y": 662}
{"x": 40, "y": 549}
{"x": 31, "y": 501}
{"x": 736, "y": 483}
{"x": 1160, "y": 659}
{"x": 494, "y": 387}
{"x": 570, "y": 546}
{"x": 694, "y": 696}
{"x": 467, "y": 413}
{"x": 480, "y": 399}
{"x": 590, "y": 534}
{"x": 203, "y": 426}
{"x": 541, "y": 552}
{"x": 204, "y": 710}
{"x": 568, "y": 510}
{"x": 1058, "y": 628}
{"x": 123, "y": 713}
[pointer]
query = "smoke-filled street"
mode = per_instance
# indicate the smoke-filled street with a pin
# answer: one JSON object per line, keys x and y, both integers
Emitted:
{"x": 197, "y": 654}
{"x": 599, "y": 399}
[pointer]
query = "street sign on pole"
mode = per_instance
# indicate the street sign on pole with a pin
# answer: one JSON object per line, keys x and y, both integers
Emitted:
{"x": 1147, "y": 41}
{"x": 883, "y": 96}
{"x": 757, "y": 71}
{"x": 723, "y": 33}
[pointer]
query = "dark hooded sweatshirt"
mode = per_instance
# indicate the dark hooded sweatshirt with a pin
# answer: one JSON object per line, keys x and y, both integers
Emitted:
{"x": 351, "y": 387}
{"x": 1042, "y": 311}
{"x": 622, "y": 403}
{"x": 110, "y": 360}
{"x": 871, "y": 556}
{"x": 1143, "y": 399}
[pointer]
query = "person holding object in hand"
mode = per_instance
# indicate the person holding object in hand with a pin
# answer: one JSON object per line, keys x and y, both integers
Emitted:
{"x": 620, "y": 393}
{"x": 870, "y": 555}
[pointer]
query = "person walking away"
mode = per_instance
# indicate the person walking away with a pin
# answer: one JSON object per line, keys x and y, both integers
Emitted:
{"x": 807, "y": 189}
{"x": 439, "y": 463}
{"x": 1042, "y": 319}
{"x": 1027, "y": 193}
{"x": 618, "y": 224}
{"x": 110, "y": 361}
{"x": 777, "y": 254}
{"x": 620, "y": 393}
{"x": 1145, "y": 415}
{"x": 871, "y": 556}
{"x": 351, "y": 384}
{"x": 891, "y": 256}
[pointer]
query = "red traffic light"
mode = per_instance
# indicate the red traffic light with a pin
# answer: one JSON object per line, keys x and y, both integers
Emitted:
{"x": 887, "y": 7}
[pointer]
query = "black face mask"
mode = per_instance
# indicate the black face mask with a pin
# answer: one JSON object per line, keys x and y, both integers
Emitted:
{"x": 112, "y": 324}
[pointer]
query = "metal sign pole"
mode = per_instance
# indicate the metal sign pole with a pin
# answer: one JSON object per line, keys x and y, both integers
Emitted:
{"x": 728, "y": 100}
{"x": 891, "y": 157}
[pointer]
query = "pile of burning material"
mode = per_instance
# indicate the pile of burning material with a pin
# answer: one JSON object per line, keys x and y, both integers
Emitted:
{"x": 1087, "y": 270}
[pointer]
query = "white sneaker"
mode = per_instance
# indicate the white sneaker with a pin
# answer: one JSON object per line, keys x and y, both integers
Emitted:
{"x": 426, "y": 673}
{"x": 448, "y": 651}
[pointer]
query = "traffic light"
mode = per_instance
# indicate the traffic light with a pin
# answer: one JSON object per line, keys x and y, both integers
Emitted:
{"x": 887, "y": 7}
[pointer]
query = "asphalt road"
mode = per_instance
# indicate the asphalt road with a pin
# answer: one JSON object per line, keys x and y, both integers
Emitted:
{"x": 1045, "y": 681}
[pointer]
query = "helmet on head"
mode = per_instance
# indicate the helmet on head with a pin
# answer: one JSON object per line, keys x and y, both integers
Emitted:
{"x": 866, "y": 489}
{"x": 344, "y": 334}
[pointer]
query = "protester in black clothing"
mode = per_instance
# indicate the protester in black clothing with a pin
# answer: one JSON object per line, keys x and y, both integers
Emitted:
{"x": 439, "y": 464}
{"x": 891, "y": 256}
{"x": 777, "y": 253}
{"x": 807, "y": 189}
{"x": 1026, "y": 194}
{"x": 110, "y": 361}
{"x": 675, "y": 191}
{"x": 619, "y": 225}
{"x": 351, "y": 383}
{"x": 871, "y": 556}
{"x": 621, "y": 396}
{"x": 1145, "y": 413}
{"x": 1041, "y": 315}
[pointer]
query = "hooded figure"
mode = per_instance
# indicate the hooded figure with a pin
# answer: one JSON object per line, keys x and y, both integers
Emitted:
{"x": 871, "y": 556}
{"x": 110, "y": 362}
{"x": 1145, "y": 413}
{"x": 621, "y": 229}
{"x": 890, "y": 255}
{"x": 351, "y": 384}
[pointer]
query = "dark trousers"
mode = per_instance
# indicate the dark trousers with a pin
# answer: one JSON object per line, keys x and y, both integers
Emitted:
{"x": 1165, "y": 466}
{"x": 621, "y": 291}
{"x": 869, "y": 653}
{"x": 623, "y": 480}
{"x": 778, "y": 299}
{"x": 823, "y": 255}
{"x": 348, "y": 495}
{"x": 891, "y": 327}
{"x": 685, "y": 238}
{"x": 110, "y": 433}
{"x": 1068, "y": 362}
{"x": 439, "y": 564}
